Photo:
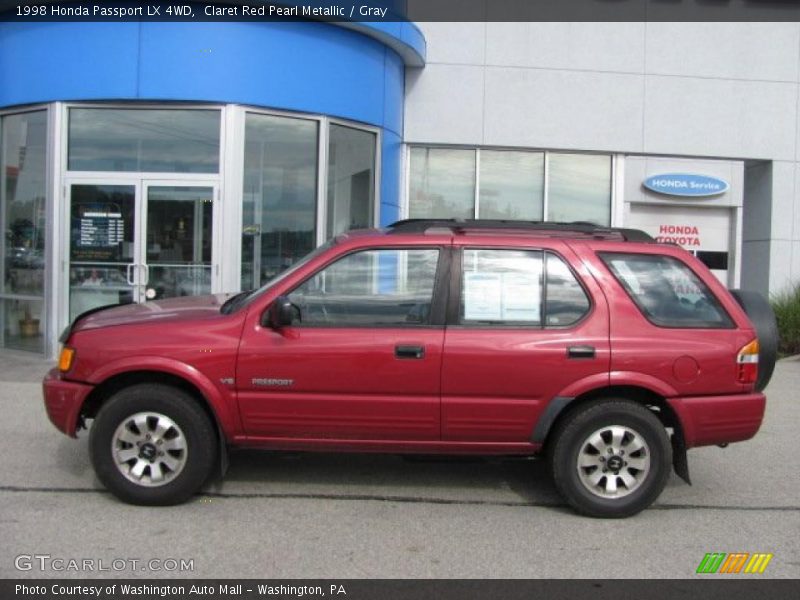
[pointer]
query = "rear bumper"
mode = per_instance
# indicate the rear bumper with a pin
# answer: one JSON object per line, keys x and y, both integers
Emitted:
{"x": 708, "y": 420}
{"x": 63, "y": 401}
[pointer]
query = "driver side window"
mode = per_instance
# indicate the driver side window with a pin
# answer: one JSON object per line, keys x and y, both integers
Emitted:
{"x": 381, "y": 288}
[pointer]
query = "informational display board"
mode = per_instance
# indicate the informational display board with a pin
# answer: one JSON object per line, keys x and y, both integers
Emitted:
{"x": 98, "y": 231}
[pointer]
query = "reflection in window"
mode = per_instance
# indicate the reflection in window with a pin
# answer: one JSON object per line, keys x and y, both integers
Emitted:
{"x": 144, "y": 140}
{"x": 579, "y": 188}
{"x": 179, "y": 225}
{"x": 667, "y": 291}
{"x": 23, "y": 143}
{"x": 442, "y": 184}
{"x": 279, "y": 195}
{"x": 566, "y": 301}
{"x": 511, "y": 185}
{"x": 351, "y": 179}
{"x": 373, "y": 287}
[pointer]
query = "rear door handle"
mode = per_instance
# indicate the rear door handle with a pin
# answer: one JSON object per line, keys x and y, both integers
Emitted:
{"x": 416, "y": 352}
{"x": 580, "y": 351}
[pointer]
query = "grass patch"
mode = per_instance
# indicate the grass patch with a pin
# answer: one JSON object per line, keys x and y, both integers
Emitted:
{"x": 787, "y": 312}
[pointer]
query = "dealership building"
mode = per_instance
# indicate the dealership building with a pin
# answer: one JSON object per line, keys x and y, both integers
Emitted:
{"x": 143, "y": 160}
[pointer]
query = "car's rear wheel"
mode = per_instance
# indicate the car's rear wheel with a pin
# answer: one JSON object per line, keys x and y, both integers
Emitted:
{"x": 610, "y": 458}
{"x": 152, "y": 444}
{"x": 762, "y": 316}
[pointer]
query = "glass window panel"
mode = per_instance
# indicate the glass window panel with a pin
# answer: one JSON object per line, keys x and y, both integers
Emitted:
{"x": 23, "y": 172}
{"x": 566, "y": 301}
{"x": 501, "y": 287}
{"x": 667, "y": 291}
{"x": 442, "y": 184}
{"x": 23, "y": 324}
{"x": 371, "y": 288}
{"x": 22, "y": 192}
{"x": 179, "y": 225}
{"x": 279, "y": 195}
{"x": 101, "y": 246}
{"x": 579, "y": 188}
{"x": 144, "y": 140}
{"x": 511, "y": 185}
{"x": 351, "y": 179}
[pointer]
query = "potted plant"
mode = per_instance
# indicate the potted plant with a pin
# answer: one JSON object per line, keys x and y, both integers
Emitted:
{"x": 28, "y": 326}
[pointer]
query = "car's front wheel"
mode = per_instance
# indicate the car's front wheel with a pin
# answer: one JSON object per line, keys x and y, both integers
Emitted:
{"x": 610, "y": 458}
{"x": 152, "y": 444}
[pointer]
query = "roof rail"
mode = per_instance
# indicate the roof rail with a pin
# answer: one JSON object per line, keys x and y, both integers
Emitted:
{"x": 461, "y": 225}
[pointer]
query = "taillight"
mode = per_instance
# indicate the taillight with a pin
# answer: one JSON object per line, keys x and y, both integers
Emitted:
{"x": 747, "y": 363}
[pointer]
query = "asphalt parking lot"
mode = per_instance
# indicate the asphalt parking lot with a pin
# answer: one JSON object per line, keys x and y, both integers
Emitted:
{"x": 363, "y": 516}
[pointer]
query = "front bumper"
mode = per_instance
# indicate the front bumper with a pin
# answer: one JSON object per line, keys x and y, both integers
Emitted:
{"x": 709, "y": 420}
{"x": 63, "y": 401}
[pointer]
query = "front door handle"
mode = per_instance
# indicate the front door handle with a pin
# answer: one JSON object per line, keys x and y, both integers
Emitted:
{"x": 415, "y": 352}
{"x": 580, "y": 352}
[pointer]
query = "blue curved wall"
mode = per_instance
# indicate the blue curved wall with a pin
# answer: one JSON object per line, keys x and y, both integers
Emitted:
{"x": 308, "y": 66}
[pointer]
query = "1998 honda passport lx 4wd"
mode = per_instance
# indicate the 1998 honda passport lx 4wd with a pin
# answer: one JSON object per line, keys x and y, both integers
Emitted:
{"x": 598, "y": 348}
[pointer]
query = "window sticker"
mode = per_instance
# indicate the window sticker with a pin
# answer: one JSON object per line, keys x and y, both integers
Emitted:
{"x": 521, "y": 298}
{"x": 483, "y": 296}
{"x": 502, "y": 297}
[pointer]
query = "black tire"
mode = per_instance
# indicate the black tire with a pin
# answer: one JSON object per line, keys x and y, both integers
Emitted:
{"x": 568, "y": 446}
{"x": 156, "y": 406}
{"x": 763, "y": 318}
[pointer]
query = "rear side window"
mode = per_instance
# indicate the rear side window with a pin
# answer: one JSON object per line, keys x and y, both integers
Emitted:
{"x": 519, "y": 288}
{"x": 667, "y": 291}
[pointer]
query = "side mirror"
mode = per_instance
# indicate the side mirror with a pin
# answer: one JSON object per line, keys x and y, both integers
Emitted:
{"x": 281, "y": 314}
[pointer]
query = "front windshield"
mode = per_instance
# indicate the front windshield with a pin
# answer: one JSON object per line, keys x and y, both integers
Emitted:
{"x": 250, "y": 296}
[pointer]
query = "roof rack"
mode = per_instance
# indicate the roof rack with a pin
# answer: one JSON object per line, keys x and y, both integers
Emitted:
{"x": 462, "y": 225}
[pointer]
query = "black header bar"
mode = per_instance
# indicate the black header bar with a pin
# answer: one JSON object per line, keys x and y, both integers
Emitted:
{"x": 402, "y": 10}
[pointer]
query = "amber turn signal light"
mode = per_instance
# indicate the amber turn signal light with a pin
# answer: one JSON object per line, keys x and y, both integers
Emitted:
{"x": 66, "y": 358}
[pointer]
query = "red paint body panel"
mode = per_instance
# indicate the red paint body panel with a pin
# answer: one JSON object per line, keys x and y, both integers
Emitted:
{"x": 346, "y": 383}
{"x": 711, "y": 420}
{"x": 184, "y": 337}
{"x": 63, "y": 401}
{"x": 648, "y": 353}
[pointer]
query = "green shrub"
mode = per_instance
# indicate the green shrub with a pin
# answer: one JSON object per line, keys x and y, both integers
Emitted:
{"x": 787, "y": 312}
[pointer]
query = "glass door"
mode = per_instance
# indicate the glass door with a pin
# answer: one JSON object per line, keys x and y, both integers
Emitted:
{"x": 103, "y": 246}
{"x": 177, "y": 257}
{"x": 138, "y": 240}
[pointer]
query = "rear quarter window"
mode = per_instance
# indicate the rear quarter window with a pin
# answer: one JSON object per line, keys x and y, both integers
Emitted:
{"x": 667, "y": 291}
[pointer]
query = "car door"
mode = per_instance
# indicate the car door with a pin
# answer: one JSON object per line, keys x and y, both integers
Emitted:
{"x": 362, "y": 360}
{"x": 522, "y": 328}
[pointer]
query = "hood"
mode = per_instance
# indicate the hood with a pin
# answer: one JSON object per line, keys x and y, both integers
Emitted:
{"x": 168, "y": 310}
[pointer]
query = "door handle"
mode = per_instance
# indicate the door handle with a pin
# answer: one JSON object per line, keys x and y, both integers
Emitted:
{"x": 415, "y": 352}
{"x": 146, "y": 274}
{"x": 128, "y": 271}
{"x": 580, "y": 351}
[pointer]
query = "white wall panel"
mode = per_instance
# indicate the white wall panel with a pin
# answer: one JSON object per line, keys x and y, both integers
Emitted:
{"x": 725, "y": 118}
{"x": 575, "y": 46}
{"x": 562, "y": 109}
{"x": 444, "y": 105}
{"x": 455, "y": 43}
{"x": 757, "y": 51}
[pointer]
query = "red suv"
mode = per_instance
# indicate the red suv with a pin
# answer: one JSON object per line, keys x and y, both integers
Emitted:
{"x": 605, "y": 352}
